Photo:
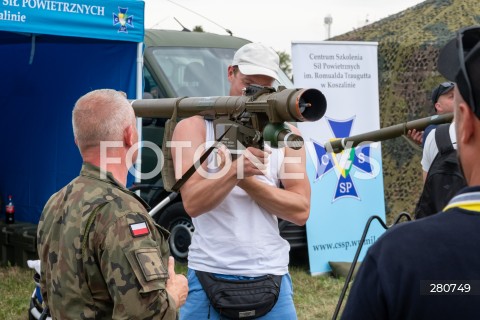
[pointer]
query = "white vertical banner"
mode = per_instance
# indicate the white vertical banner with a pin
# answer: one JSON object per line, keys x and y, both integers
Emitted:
{"x": 347, "y": 187}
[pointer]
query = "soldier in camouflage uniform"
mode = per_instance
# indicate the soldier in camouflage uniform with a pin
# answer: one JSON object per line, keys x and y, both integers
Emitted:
{"x": 102, "y": 256}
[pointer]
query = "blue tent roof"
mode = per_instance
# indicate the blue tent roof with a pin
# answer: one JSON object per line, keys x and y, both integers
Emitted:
{"x": 49, "y": 57}
{"x": 112, "y": 20}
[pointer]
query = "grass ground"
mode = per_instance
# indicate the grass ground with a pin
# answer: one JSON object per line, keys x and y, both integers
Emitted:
{"x": 315, "y": 297}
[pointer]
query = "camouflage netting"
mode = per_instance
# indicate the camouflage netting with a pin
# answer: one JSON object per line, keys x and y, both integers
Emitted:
{"x": 408, "y": 47}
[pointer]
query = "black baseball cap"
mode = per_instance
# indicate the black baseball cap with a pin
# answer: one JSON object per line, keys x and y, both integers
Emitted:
{"x": 459, "y": 61}
{"x": 442, "y": 89}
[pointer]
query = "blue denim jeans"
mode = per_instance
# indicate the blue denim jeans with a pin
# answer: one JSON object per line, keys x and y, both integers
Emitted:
{"x": 197, "y": 306}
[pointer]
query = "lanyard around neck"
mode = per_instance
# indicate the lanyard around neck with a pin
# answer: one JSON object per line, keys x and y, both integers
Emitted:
{"x": 468, "y": 201}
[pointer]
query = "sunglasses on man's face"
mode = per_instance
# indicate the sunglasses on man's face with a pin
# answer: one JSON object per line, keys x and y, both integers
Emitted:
{"x": 447, "y": 85}
{"x": 442, "y": 89}
{"x": 467, "y": 40}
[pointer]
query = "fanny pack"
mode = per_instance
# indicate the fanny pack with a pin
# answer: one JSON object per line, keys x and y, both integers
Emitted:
{"x": 241, "y": 299}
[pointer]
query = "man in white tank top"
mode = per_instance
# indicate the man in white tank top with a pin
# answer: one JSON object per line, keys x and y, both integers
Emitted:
{"x": 235, "y": 217}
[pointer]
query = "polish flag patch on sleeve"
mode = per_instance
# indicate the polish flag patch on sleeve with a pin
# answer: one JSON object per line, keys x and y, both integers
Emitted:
{"x": 139, "y": 229}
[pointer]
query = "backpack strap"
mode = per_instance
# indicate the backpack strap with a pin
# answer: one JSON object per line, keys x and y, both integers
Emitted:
{"x": 442, "y": 138}
{"x": 168, "y": 171}
{"x": 176, "y": 187}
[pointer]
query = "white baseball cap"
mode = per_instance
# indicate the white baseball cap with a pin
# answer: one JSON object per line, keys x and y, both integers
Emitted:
{"x": 256, "y": 58}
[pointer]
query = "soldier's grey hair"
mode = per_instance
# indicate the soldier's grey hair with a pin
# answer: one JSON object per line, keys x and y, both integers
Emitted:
{"x": 101, "y": 115}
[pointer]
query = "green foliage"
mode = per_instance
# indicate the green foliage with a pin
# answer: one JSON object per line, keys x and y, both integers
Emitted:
{"x": 285, "y": 63}
{"x": 315, "y": 297}
{"x": 16, "y": 287}
{"x": 408, "y": 46}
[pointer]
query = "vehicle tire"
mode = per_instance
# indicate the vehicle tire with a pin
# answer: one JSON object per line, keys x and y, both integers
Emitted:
{"x": 176, "y": 220}
{"x": 295, "y": 235}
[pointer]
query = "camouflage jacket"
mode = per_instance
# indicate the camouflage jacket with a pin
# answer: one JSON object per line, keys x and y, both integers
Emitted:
{"x": 102, "y": 256}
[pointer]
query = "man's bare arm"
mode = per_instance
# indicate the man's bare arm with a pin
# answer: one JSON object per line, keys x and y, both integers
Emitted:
{"x": 199, "y": 193}
{"x": 291, "y": 203}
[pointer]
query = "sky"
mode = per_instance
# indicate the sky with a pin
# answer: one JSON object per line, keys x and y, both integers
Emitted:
{"x": 275, "y": 23}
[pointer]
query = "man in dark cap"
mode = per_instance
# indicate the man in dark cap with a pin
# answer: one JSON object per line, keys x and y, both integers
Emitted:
{"x": 429, "y": 268}
{"x": 442, "y": 97}
{"x": 442, "y": 101}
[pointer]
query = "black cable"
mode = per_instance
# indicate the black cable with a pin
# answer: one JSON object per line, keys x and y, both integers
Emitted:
{"x": 400, "y": 216}
{"x": 357, "y": 254}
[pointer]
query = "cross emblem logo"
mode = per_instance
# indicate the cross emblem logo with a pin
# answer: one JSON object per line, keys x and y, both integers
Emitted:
{"x": 343, "y": 162}
{"x": 122, "y": 19}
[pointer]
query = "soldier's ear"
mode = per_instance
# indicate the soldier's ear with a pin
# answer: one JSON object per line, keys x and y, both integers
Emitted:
{"x": 129, "y": 136}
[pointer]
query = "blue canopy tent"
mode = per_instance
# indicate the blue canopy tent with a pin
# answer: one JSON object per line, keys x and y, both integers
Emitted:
{"x": 51, "y": 53}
